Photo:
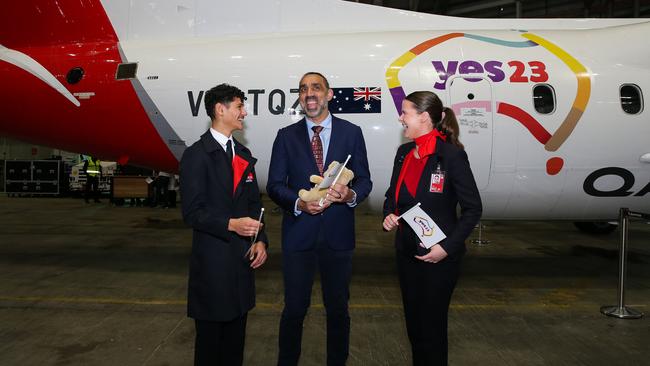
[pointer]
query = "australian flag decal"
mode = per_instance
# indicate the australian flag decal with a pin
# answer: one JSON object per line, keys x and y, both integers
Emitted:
{"x": 363, "y": 99}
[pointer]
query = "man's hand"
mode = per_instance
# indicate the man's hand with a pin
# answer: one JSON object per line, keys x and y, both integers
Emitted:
{"x": 435, "y": 255}
{"x": 313, "y": 208}
{"x": 257, "y": 254}
{"x": 244, "y": 226}
{"x": 339, "y": 193}
{"x": 391, "y": 222}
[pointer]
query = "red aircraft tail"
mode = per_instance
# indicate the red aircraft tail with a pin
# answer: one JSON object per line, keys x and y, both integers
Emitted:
{"x": 32, "y": 23}
{"x": 58, "y": 62}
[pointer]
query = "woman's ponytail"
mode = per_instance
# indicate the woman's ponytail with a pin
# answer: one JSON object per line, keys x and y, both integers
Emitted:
{"x": 448, "y": 125}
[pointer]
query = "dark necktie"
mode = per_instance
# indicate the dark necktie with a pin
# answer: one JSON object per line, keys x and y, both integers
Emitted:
{"x": 317, "y": 147}
{"x": 229, "y": 150}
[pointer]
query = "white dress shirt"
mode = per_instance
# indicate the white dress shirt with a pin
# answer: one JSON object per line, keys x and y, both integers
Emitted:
{"x": 223, "y": 140}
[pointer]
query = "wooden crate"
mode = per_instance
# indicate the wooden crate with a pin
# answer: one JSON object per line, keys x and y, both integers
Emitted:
{"x": 128, "y": 186}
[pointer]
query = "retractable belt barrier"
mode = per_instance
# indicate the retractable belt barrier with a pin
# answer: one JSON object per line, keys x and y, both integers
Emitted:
{"x": 621, "y": 311}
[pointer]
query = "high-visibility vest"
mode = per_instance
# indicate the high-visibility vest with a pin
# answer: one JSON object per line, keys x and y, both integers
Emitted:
{"x": 93, "y": 168}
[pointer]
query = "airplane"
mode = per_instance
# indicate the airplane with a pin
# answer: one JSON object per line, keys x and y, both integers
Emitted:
{"x": 551, "y": 111}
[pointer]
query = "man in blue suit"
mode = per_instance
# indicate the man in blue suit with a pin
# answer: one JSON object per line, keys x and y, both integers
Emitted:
{"x": 313, "y": 235}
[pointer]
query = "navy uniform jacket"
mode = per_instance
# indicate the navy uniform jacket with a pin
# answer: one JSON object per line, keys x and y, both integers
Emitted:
{"x": 292, "y": 162}
{"x": 459, "y": 189}
{"x": 221, "y": 282}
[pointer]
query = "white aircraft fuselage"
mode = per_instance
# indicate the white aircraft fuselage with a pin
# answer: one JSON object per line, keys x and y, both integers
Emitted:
{"x": 581, "y": 159}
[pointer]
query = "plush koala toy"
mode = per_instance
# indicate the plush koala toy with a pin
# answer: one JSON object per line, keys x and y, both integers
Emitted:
{"x": 316, "y": 193}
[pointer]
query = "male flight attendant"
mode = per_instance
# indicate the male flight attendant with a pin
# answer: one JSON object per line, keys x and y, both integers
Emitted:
{"x": 315, "y": 236}
{"x": 220, "y": 199}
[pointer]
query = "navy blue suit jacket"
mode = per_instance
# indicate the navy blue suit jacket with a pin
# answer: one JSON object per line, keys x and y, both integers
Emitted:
{"x": 292, "y": 162}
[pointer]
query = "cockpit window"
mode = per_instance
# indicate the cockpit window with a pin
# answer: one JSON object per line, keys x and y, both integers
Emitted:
{"x": 631, "y": 99}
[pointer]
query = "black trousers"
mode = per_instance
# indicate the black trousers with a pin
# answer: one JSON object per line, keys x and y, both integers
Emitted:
{"x": 92, "y": 188}
{"x": 220, "y": 343}
{"x": 298, "y": 269}
{"x": 426, "y": 293}
{"x": 160, "y": 195}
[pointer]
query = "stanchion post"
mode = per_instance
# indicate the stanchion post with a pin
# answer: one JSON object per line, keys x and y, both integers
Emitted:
{"x": 480, "y": 241}
{"x": 621, "y": 311}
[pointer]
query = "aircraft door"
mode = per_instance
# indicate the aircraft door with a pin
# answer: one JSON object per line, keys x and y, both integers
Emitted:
{"x": 471, "y": 100}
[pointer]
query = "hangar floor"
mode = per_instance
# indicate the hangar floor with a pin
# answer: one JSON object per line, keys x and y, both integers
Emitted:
{"x": 100, "y": 285}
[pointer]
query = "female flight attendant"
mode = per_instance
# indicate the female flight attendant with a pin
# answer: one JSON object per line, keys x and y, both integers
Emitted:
{"x": 432, "y": 169}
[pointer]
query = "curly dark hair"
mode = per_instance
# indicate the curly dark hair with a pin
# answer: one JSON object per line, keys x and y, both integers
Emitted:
{"x": 222, "y": 93}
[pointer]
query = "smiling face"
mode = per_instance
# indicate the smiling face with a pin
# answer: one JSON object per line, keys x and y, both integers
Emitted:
{"x": 230, "y": 117}
{"x": 415, "y": 123}
{"x": 314, "y": 95}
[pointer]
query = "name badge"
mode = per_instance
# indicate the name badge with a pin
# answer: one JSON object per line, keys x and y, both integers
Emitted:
{"x": 437, "y": 182}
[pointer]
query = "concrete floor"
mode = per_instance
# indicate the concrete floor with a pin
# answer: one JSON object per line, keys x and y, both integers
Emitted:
{"x": 100, "y": 285}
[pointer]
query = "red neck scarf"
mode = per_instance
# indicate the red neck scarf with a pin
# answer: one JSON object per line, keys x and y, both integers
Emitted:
{"x": 426, "y": 145}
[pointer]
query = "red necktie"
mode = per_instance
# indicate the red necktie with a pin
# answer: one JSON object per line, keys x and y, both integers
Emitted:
{"x": 317, "y": 148}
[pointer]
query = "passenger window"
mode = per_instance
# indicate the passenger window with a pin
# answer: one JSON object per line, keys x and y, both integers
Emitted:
{"x": 544, "y": 98}
{"x": 631, "y": 99}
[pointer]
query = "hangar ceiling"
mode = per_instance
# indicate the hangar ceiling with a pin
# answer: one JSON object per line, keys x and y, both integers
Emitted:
{"x": 523, "y": 8}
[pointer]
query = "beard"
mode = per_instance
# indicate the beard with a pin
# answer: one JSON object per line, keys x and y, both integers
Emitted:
{"x": 316, "y": 110}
